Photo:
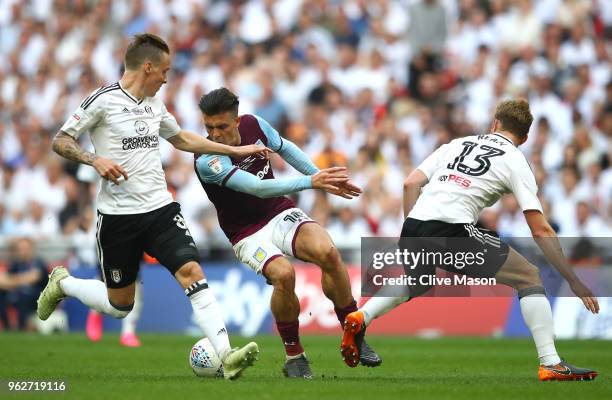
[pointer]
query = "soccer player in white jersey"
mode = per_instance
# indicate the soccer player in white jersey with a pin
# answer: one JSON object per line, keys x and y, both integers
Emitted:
{"x": 136, "y": 212}
{"x": 443, "y": 198}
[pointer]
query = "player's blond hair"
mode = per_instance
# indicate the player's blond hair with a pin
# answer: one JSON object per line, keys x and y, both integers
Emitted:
{"x": 514, "y": 116}
{"x": 145, "y": 46}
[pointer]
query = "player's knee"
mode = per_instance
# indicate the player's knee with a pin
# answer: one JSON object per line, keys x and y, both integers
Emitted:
{"x": 282, "y": 278}
{"x": 529, "y": 278}
{"x": 329, "y": 256}
{"x": 189, "y": 273}
{"x": 118, "y": 311}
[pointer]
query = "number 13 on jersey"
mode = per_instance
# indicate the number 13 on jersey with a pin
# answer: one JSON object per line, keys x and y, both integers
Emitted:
{"x": 483, "y": 159}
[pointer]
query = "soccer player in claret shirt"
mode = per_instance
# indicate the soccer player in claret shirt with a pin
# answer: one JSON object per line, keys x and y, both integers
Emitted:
{"x": 136, "y": 212}
{"x": 264, "y": 226}
{"x": 443, "y": 198}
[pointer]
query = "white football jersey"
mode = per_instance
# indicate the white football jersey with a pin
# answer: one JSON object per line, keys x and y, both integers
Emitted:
{"x": 471, "y": 173}
{"x": 127, "y": 131}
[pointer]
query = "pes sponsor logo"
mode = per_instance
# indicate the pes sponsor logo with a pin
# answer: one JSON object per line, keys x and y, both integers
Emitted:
{"x": 459, "y": 180}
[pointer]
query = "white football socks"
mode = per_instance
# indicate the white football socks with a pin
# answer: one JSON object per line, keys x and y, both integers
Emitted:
{"x": 377, "y": 306}
{"x": 535, "y": 309}
{"x": 538, "y": 317}
{"x": 92, "y": 293}
{"x": 208, "y": 316}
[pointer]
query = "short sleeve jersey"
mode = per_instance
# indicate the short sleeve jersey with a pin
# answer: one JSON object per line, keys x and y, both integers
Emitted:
{"x": 471, "y": 173}
{"x": 127, "y": 131}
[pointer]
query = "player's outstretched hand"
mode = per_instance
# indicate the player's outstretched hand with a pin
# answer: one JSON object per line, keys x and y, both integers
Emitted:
{"x": 351, "y": 189}
{"x": 252, "y": 149}
{"x": 334, "y": 180}
{"x": 109, "y": 170}
{"x": 587, "y": 297}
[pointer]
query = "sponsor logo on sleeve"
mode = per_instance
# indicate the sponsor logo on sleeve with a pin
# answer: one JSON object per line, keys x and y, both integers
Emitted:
{"x": 215, "y": 165}
{"x": 76, "y": 116}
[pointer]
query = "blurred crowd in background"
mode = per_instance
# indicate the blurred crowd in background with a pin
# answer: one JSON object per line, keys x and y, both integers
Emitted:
{"x": 372, "y": 85}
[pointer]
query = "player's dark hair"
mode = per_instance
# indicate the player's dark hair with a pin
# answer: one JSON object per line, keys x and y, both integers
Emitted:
{"x": 219, "y": 101}
{"x": 145, "y": 46}
{"x": 514, "y": 116}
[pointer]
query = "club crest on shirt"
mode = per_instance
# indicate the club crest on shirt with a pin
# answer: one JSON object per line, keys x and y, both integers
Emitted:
{"x": 260, "y": 255}
{"x": 116, "y": 275}
{"x": 141, "y": 127}
{"x": 247, "y": 162}
{"x": 215, "y": 165}
{"x": 259, "y": 142}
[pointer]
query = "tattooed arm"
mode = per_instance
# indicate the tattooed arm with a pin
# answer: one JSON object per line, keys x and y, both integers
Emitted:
{"x": 67, "y": 147}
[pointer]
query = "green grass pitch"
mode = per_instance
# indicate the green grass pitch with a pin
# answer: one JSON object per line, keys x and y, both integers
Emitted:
{"x": 449, "y": 368}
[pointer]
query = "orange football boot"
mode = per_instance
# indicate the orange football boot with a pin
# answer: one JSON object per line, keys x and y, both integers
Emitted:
{"x": 353, "y": 325}
{"x": 565, "y": 372}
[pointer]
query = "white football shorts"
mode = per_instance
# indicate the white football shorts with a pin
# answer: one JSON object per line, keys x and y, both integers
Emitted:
{"x": 275, "y": 239}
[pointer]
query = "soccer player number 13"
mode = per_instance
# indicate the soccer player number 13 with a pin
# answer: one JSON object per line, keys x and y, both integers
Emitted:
{"x": 482, "y": 159}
